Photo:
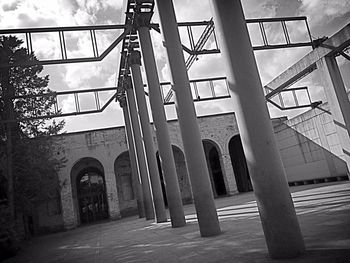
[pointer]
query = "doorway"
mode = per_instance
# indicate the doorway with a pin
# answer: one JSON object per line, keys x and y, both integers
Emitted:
{"x": 91, "y": 196}
{"x": 239, "y": 165}
{"x": 214, "y": 166}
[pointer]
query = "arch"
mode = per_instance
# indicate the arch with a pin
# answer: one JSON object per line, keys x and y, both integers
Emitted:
{"x": 214, "y": 163}
{"x": 239, "y": 164}
{"x": 182, "y": 175}
{"x": 125, "y": 185}
{"x": 89, "y": 190}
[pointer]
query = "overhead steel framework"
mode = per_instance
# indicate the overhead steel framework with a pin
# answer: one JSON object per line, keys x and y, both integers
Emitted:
{"x": 203, "y": 90}
{"x": 98, "y": 55}
{"x": 263, "y": 160}
{"x": 128, "y": 37}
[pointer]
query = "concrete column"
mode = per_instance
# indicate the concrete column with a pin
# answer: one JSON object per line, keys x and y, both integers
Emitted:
{"x": 111, "y": 190}
{"x": 158, "y": 201}
{"x": 140, "y": 152}
{"x": 278, "y": 217}
{"x": 194, "y": 153}
{"x": 165, "y": 151}
{"x": 133, "y": 161}
{"x": 230, "y": 176}
{"x": 68, "y": 212}
{"x": 338, "y": 101}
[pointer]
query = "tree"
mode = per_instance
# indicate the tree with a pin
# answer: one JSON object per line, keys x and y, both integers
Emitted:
{"x": 27, "y": 162}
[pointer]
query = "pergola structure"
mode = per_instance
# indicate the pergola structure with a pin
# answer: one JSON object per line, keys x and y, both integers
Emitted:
{"x": 244, "y": 87}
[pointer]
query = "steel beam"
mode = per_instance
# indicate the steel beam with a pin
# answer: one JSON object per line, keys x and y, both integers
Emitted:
{"x": 307, "y": 64}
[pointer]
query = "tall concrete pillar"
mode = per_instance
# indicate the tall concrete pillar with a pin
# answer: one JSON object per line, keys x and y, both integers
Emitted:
{"x": 165, "y": 151}
{"x": 338, "y": 102}
{"x": 194, "y": 153}
{"x": 133, "y": 161}
{"x": 278, "y": 217}
{"x": 111, "y": 187}
{"x": 158, "y": 201}
{"x": 140, "y": 153}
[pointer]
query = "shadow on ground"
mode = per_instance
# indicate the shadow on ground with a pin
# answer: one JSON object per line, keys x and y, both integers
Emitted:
{"x": 323, "y": 213}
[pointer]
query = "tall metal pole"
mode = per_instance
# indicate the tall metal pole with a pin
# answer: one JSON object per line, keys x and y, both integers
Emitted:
{"x": 133, "y": 161}
{"x": 165, "y": 151}
{"x": 278, "y": 217}
{"x": 140, "y": 152}
{"x": 194, "y": 152}
{"x": 158, "y": 201}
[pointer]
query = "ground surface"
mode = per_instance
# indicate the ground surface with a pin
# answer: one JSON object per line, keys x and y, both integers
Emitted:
{"x": 323, "y": 212}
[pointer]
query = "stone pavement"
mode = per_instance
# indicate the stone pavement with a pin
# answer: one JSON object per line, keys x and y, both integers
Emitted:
{"x": 323, "y": 212}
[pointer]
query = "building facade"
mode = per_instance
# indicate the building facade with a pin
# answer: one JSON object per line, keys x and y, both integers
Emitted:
{"x": 97, "y": 183}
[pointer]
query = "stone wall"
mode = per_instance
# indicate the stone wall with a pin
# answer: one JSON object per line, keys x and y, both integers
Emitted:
{"x": 308, "y": 146}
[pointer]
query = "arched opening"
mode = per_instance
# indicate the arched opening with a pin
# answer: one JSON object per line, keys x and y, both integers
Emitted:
{"x": 89, "y": 191}
{"x": 182, "y": 176}
{"x": 239, "y": 164}
{"x": 91, "y": 196}
{"x": 125, "y": 187}
{"x": 214, "y": 166}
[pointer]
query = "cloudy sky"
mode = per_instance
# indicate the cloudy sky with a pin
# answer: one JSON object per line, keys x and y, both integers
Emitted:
{"x": 325, "y": 17}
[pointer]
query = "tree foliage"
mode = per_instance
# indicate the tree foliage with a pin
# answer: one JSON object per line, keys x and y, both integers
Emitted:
{"x": 34, "y": 164}
{"x": 25, "y": 81}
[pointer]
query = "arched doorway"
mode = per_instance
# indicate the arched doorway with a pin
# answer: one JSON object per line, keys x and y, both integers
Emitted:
{"x": 89, "y": 191}
{"x": 125, "y": 187}
{"x": 214, "y": 166}
{"x": 182, "y": 176}
{"x": 91, "y": 196}
{"x": 239, "y": 164}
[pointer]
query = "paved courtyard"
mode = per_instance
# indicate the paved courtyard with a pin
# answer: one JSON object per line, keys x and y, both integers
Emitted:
{"x": 323, "y": 212}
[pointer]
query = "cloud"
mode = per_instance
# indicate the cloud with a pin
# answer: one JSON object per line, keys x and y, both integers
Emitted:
{"x": 8, "y": 5}
{"x": 324, "y": 9}
{"x": 321, "y": 14}
{"x": 67, "y": 105}
{"x": 34, "y": 13}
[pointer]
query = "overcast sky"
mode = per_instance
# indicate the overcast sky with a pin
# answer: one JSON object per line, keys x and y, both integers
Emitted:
{"x": 325, "y": 17}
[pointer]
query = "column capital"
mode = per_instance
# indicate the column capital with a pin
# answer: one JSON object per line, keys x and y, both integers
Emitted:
{"x": 142, "y": 19}
{"x": 143, "y": 11}
{"x": 134, "y": 58}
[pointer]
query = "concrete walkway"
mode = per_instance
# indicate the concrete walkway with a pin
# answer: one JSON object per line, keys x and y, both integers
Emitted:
{"x": 323, "y": 212}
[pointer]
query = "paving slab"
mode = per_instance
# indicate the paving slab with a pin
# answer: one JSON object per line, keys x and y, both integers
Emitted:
{"x": 323, "y": 211}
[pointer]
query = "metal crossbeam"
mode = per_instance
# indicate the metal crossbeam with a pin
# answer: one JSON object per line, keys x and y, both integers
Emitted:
{"x": 209, "y": 29}
{"x": 202, "y": 89}
{"x": 261, "y": 22}
{"x": 197, "y": 49}
{"x": 199, "y": 94}
{"x": 332, "y": 46}
{"x": 283, "y": 104}
{"x": 97, "y": 107}
{"x": 129, "y": 41}
{"x": 62, "y": 32}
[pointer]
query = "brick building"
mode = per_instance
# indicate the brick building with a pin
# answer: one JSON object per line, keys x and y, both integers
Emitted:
{"x": 97, "y": 183}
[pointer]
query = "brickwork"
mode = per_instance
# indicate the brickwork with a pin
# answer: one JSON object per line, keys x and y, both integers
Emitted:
{"x": 300, "y": 140}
